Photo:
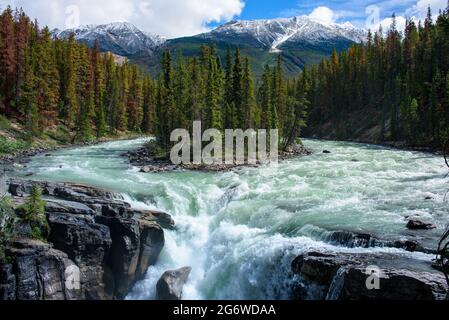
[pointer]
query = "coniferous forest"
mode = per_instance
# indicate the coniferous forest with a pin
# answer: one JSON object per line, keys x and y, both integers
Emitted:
{"x": 332, "y": 220}
{"x": 46, "y": 81}
{"x": 391, "y": 88}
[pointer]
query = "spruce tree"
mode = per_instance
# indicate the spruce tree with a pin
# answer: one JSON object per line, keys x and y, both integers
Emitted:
{"x": 249, "y": 107}
{"x": 237, "y": 92}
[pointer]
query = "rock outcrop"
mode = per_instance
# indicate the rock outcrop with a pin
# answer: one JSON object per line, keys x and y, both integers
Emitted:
{"x": 355, "y": 277}
{"x": 92, "y": 229}
{"x": 419, "y": 225}
{"x": 38, "y": 272}
{"x": 171, "y": 284}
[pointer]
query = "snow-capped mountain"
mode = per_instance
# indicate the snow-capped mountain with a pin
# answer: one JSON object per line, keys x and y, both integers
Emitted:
{"x": 121, "y": 38}
{"x": 274, "y": 33}
{"x": 300, "y": 40}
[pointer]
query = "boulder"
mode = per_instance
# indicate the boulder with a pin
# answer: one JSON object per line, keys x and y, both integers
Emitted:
{"x": 345, "y": 276}
{"x": 326, "y": 152}
{"x": 410, "y": 245}
{"x": 419, "y": 225}
{"x": 363, "y": 240}
{"x": 351, "y": 240}
{"x": 163, "y": 219}
{"x": 152, "y": 241}
{"x": 171, "y": 284}
{"x": 146, "y": 169}
{"x": 394, "y": 284}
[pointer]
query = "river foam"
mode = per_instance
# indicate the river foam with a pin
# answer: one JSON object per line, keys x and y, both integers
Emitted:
{"x": 240, "y": 231}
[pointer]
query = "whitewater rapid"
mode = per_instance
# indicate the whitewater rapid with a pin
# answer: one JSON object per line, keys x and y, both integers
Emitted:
{"x": 240, "y": 231}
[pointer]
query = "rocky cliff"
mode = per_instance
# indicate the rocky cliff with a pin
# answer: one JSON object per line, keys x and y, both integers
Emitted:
{"x": 347, "y": 276}
{"x": 97, "y": 249}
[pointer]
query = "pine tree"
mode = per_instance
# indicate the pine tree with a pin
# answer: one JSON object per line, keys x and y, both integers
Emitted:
{"x": 213, "y": 96}
{"x": 148, "y": 106}
{"x": 7, "y": 61}
{"x": 181, "y": 94}
{"x": 21, "y": 30}
{"x": 47, "y": 79}
{"x": 86, "y": 97}
{"x": 237, "y": 91}
{"x": 265, "y": 99}
{"x": 28, "y": 97}
{"x": 98, "y": 89}
{"x": 165, "y": 103}
{"x": 249, "y": 107}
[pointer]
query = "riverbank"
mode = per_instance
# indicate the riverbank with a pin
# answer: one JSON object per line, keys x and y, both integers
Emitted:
{"x": 18, "y": 149}
{"x": 398, "y": 145}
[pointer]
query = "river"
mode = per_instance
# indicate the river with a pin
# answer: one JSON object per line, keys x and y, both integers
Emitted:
{"x": 240, "y": 231}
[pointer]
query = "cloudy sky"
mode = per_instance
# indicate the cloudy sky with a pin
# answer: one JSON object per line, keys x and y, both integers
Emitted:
{"x": 174, "y": 18}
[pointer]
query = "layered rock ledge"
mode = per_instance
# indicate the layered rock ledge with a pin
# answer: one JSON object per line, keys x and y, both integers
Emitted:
{"x": 346, "y": 276}
{"x": 97, "y": 249}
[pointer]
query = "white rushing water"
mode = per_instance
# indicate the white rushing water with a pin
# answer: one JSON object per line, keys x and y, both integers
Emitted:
{"x": 240, "y": 231}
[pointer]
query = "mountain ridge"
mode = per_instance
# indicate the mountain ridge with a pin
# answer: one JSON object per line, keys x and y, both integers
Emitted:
{"x": 300, "y": 40}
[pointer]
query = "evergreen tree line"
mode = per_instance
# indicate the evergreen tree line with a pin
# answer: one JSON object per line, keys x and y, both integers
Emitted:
{"x": 45, "y": 82}
{"x": 398, "y": 83}
{"x": 227, "y": 97}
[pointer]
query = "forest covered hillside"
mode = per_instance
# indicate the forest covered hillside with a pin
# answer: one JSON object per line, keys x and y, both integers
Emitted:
{"x": 52, "y": 85}
{"x": 393, "y": 88}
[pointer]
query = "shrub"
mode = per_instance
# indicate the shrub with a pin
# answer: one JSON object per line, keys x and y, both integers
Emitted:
{"x": 9, "y": 146}
{"x": 33, "y": 212}
{"x": 7, "y": 225}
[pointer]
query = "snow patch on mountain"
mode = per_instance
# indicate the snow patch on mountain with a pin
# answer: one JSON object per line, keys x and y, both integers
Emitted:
{"x": 276, "y": 32}
{"x": 119, "y": 37}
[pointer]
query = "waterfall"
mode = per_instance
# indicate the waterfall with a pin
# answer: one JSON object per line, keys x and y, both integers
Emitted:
{"x": 241, "y": 230}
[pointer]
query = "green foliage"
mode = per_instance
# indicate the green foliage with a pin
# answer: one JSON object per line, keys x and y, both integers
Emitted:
{"x": 46, "y": 81}
{"x": 7, "y": 225}
{"x": 33, "y": 212}
{"x": 8, "y": 146}
{"x": 395, "y": 87}
{"x": 4, "y": 123}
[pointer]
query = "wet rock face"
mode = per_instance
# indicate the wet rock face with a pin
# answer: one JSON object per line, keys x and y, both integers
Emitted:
{"x": 38, "y": 272}
{"x": 350, "y": 277}
{"x": 111, "y": 244}
{"x": 124, "y": 254}
{"x": 161, "y": 218}
{"x": 419, "y": 225}
{"x": 171, "y": 284}
{"x": 152, "y": 242}
{"x": 393, "y": 285}
{"x": 86, "y": 243}
{"x": 7, "y": 282}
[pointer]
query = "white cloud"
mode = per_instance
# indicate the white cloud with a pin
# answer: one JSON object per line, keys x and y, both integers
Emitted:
{"x": 400, "y": 23}
{"x": 170, "y": 18}
{"x": 419, "y": 10}
{"x": 323, "y": 15}
{"x": 416, "y": 12}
